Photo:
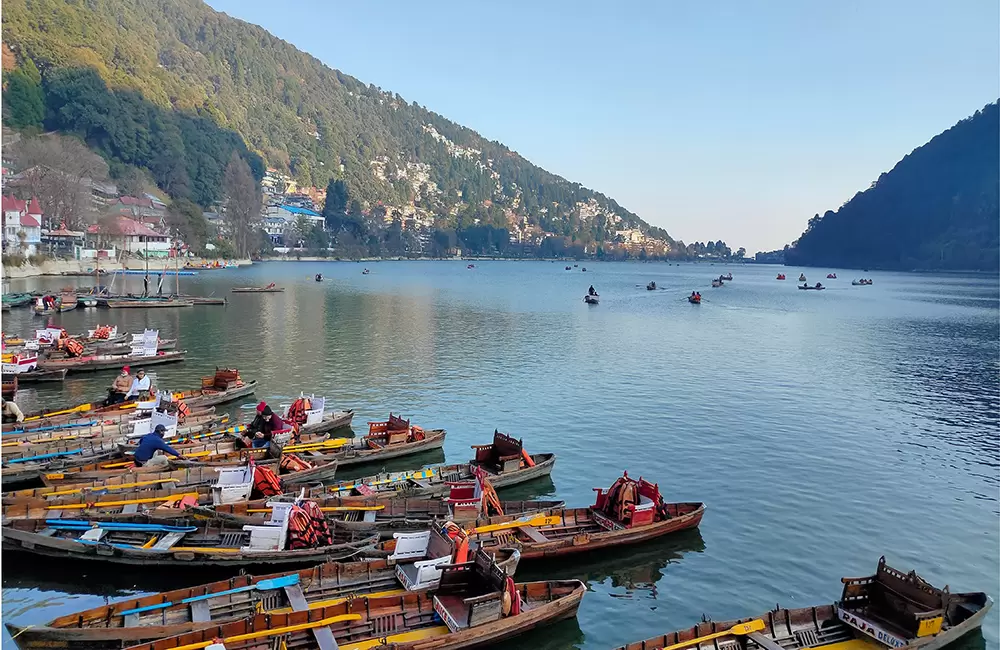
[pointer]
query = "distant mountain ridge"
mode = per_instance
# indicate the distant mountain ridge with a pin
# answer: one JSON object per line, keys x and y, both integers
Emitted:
{"x": 938, "y": 208}
{"x": 308, "y": 119}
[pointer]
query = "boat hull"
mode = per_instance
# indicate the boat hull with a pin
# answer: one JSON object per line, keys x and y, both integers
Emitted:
{"x": 597, "y": 541}
{"x": 434, "y": 440}
{"x": 93, "y": 365}
{"x": 28, "y": 542}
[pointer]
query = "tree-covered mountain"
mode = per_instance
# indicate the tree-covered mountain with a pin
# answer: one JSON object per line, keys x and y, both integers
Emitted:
{"x": 302, "y": 117}
{"x": 939, "y": 208}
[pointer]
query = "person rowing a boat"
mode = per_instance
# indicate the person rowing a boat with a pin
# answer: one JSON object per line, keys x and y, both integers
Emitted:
{"x": 119, "y": 388}
{"x": 140, "y": 388}
{"x": 260, "y": 432}
{"x": 12, "y": 412}
{"x": 149, "y": 444}
{"x": 592, "y": 291}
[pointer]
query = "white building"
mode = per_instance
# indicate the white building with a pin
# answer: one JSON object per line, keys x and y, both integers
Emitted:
{"x": 21, "y": 217}
{"x": 133, "y": 237}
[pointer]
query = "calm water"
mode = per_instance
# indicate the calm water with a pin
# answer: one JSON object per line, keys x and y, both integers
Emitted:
{"x": 822, "y": 429}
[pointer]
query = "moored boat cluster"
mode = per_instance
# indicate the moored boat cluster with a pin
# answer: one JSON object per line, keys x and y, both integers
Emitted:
{"x": 421, "y": 559}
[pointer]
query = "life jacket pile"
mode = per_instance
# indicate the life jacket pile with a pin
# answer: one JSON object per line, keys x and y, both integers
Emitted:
{"x": 621, "y": 495}
{"x": 307, "y": 527}
{"x": 102, "y": 332}
{"x": 265, "y": 483}
{"x": 297, "y": 411}
{"x": 291, "y": 463}
{"x": 74, "y": 348}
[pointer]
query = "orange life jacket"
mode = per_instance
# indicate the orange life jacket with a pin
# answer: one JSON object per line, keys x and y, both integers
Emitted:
{"x": 265, "y": 482}
{"x": 291, "y": 463}
{"x": 297, "y": 411}
{"x": 74, "y": 347}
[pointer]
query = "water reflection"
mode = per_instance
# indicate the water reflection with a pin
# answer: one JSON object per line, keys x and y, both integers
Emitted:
{"x": 630, "y": 571}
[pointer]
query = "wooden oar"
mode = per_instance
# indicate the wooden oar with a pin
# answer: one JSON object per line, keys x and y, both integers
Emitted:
{"x": 263, "y": 634}
{"x": 105, "y": 504}
{"x": 404, "y": 637}
{"x": 740, "y": 629}
{"x": 109, "y": 488}
{"x": 532, "y": 520}
{"x": 333, "y": 443}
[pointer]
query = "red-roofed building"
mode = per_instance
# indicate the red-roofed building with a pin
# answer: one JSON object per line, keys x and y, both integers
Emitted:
{"x": 21, "y": 218}
{"x": 133, "y": 236}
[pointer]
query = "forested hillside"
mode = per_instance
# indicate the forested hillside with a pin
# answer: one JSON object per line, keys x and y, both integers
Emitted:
{"x": 939, "y": 208}
{"x": 178, "y": 71}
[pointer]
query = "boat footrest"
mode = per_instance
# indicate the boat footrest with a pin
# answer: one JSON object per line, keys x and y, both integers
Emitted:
{"x": 168, "y": 541}
{"x": 200, "y": 612}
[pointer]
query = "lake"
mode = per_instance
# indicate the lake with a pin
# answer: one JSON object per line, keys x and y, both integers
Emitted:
{"x": 823, "y": 429}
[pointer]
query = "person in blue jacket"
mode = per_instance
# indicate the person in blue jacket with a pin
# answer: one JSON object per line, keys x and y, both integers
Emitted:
{"x": 149, "y": 444}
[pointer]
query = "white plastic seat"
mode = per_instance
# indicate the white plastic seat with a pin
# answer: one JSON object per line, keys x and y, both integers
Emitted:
{"x": 410, "y": 545}
{"x": 233, "y": 485}
{"x": 274, "y": 533}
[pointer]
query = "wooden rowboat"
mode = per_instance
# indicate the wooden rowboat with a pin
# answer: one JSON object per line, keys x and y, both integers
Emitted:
{"x": 504, "y": 462}
{"x": 62, "y": 440}
{"x": 465, "y": 611}
{"x": 151, "y": 543}
{"x": 96, "y": 427}
{"x": 37, "y": 376}
{"x": 630, "y": 512}
{"x": 112, "y": 361}
{"x": 889, "y": 609}
{"x": 147, "y": 618}
{"x": 270, "y": 289}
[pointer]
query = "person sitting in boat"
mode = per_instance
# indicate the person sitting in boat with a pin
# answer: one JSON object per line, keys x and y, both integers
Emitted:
{"x": 591, "y": 291}
{"x": 697, "y": 294}
{"x": 319, "y": 277}
{"x": 819, "y": 286}
{"x": 149, "y": 444}
{"x": 11, "y": 412}
{"x": 262, "y": 429}
{"x": 694, "y": 294}
{"x": 119, "y": 387}
{"x": 140, "y": 388}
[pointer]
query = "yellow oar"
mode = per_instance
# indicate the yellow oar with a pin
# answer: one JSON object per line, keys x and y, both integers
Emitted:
{"x": 741, "y": 629}
{"x": 59, "y": 493}
{"x": 331, "y": 509}
{"x": 337, "y": 601}
{"x": 415, "y": 635}
{"x": 427, "y": 473}
{"x": 107, "y": 504}
{"x": 537, "y": 520}
{"x": 273, "y": 632}
{"x": 324, "y": 444}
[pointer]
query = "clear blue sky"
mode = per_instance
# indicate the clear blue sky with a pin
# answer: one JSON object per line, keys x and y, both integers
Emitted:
{"x": 715, "y": 120}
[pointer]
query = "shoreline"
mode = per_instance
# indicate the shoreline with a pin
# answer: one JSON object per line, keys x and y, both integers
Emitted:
{"x": 58, "y": 268}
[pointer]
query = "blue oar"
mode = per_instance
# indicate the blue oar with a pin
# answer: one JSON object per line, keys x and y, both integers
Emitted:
{"x": 44, "y": 456}
{"x": 81, "y": 524}
{"x": 263, "y": 585}
{"x": 54, "y": 427}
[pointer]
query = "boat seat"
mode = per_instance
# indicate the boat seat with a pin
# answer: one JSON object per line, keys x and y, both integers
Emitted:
{"x": 419, "y": 483}
{"x": 274, "y": 533}
{"x": 456, "y": 608}
{"x": 369, "y": 516}
{"x": 422, "y": 573}
{"x": 533, "y": 534}
{"x": 410, "y": 545}
{"x": 130, "y": 509}
{"x": 168, "y": 541}
{"x": 47, "y": 532}
{"x": 94, "y": 534}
